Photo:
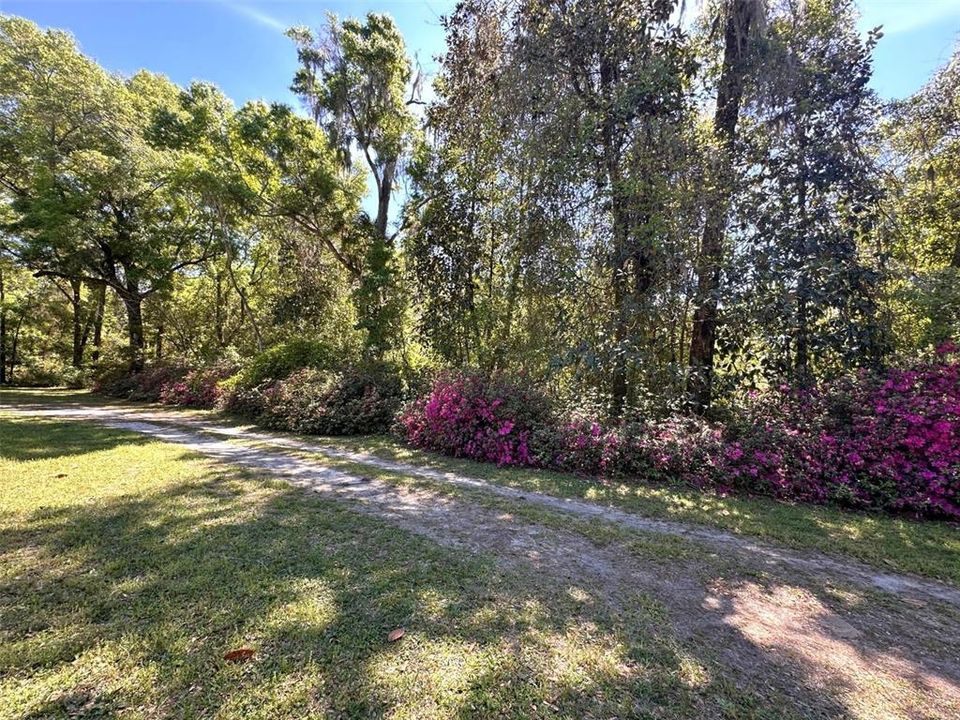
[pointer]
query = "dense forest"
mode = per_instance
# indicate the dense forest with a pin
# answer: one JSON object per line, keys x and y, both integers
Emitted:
{"x": 661, "y": 223}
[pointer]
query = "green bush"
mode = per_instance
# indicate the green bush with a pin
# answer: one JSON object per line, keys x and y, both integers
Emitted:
{"x": 356, "y": 401}
{"x": 74, "y": 378}
{"x": 146, "y": 385}
{"x": 114, "y": 381}
{"x": 48, "y": 372}
{"x": 280, "y": 361}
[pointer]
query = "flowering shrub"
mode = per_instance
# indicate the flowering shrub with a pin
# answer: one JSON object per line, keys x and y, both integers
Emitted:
{"x": 474, "y": 416}
{"x": 886, "y": 441}
{"x": 889, "y": 442}
{"x": 356, "y": 401}
{"x": 198, "y": 389}
{"x": 167, "y": 384}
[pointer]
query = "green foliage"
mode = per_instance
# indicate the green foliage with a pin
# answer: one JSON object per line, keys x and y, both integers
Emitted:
{"x": 288, "y": 169}
{"x": 922, "y": 135}
{"x": 280, "y": 361}
{"x": 91, "y": 197}
{"x": 354, "y": 80}
{"x": 565, "y": 180}
{"x": 380, "y": 299}
{"x": 807, "y": 278}
{"x": 359, "y": 400}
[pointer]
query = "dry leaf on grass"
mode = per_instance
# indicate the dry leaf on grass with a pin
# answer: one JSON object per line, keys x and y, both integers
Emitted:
{"x": 239, "y": 655}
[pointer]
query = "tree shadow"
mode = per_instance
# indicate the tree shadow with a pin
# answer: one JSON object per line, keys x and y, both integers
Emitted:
{"x": 26, "y": 439}
{"x": 171, "y": 580}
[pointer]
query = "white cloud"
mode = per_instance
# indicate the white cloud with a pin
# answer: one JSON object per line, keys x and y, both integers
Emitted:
{"x": 258, "y": 16}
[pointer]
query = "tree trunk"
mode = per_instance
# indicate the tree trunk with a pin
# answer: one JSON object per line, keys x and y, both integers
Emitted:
{"x": 375, "y": 280}
{"x": 618, "y": 378}
{"x": 98, "y": 321}
{"x": 620, "y": 252}
{"x": 383, "y": 199}
{"x": 802, "y": 357}
{"x": 76, "y": 302}
{"x": 3, "y": 332}
{"x": 218, "y": 309}
{"x": 245, "y": 310}
{"x": 134, "y": 306}
{"x": 740, "y": 16}
{"x": 13, "y": 346}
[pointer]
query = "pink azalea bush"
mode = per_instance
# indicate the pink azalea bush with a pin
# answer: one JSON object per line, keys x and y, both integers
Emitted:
{"x": 165, "y": 383}
{"x": 888, "y": 441}
{"x": 473, "y": 416}
{"x": 671, "y": 449}
{"x": 199, "y": 388}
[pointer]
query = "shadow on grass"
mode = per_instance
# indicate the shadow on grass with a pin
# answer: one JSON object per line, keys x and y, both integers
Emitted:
{"x": 930, "y": 548}
{"x": 13, "y": 396}
{"x": 33, "y": 439}
{"x": 927, "y": 548}
{"x": 131, "y": 602}
{"x": 157, "y": 587}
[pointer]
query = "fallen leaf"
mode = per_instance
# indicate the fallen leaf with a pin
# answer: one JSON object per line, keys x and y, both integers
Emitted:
{"x": 239, "y": 655}
{"x": 396, "y": 634}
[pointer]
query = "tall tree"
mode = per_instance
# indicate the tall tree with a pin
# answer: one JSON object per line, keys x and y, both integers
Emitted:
{"x": 355, "y": 77}
{"x": 93, "y": 198}
{"x": 289, "y": 173}
{"x": 922, "y": 135}
{"x": 548, "y": 225}
{"x": 810, "y": 213}
{"x": 480, "y": 252}
{"x": 3, "y": 327}
{"x": 739, "y": 20}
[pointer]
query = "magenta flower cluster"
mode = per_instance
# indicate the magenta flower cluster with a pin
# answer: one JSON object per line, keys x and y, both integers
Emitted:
{"x": 888, "y": 441}
{"x": 472, "y": 416}
{"x": 198, "y": 388}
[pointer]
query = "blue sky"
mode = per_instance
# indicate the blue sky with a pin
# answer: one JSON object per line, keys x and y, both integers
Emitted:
{"x": 240, "y": 45}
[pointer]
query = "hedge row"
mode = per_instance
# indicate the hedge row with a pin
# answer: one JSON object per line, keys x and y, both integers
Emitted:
{"x": 888, "y": 441}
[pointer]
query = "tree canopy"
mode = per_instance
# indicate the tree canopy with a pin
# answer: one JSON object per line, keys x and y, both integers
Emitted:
{"x": 643, "y": 206}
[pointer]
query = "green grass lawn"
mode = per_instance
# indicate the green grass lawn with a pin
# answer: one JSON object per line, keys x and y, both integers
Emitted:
{"x": 128, "y": 568}
{"x": 926, "y": 548}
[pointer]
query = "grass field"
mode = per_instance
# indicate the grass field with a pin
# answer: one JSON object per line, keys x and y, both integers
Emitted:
{"x": 128, "y": 569}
